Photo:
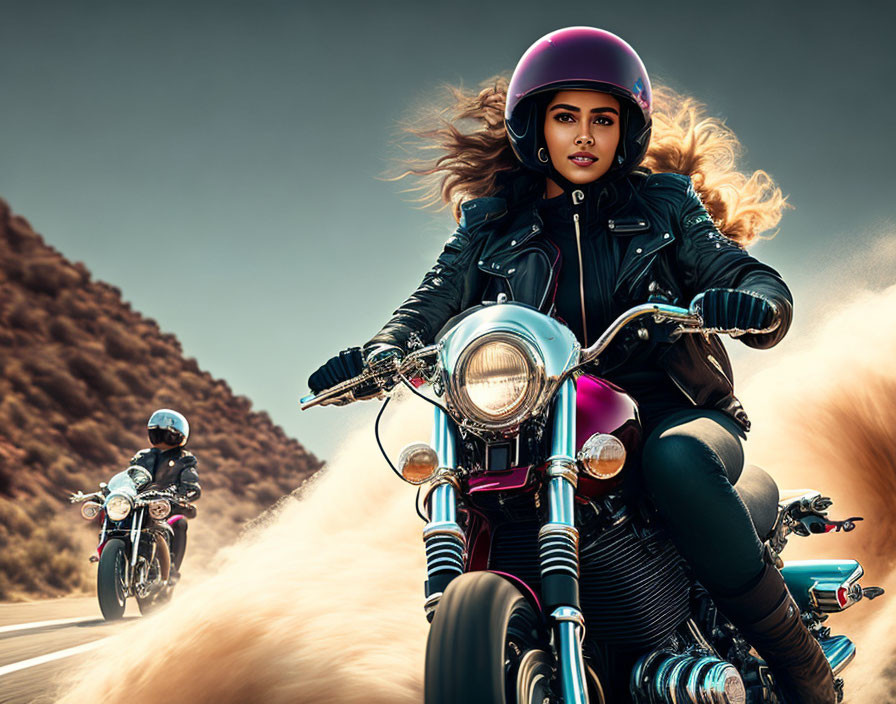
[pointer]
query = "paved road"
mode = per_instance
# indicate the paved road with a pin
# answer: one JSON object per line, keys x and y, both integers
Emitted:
{"x": 41, "y": 641}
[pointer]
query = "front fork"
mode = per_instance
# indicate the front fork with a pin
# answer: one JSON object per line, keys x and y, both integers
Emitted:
{"x": 558, "y": 549}
{"x": 558, "y": 539}
{"x": 444, "y": 539}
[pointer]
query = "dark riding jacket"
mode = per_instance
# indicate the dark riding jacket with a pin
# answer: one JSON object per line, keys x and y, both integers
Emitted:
{"x": 175, "y": 467}
{"x": 669, "y": 250}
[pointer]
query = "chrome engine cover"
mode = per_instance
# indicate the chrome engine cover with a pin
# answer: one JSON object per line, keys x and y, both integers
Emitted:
{"x": 663, "y": 677}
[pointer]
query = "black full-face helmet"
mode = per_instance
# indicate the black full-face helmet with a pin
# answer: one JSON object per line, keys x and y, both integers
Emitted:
{"x": 578, "y": 58}
{"x": 167, "y": 427}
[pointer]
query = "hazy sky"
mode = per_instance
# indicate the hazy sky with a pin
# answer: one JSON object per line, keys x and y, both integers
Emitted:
{"x": 218, "y": 161}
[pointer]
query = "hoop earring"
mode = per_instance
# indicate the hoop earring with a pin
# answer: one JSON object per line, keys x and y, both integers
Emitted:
{"x": 543, "y": 155}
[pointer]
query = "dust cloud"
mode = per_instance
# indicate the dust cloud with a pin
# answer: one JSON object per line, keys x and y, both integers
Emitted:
{"x": 323, "y": 602}
{"x": 823, "y": 418}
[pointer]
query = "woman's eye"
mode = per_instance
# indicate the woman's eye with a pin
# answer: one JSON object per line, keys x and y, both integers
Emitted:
{"x": 602, "y": 120}
{"x": 564, "y": 117}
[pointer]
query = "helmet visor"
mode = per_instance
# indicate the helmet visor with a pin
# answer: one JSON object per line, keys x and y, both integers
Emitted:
{"x": 165, "y": 436}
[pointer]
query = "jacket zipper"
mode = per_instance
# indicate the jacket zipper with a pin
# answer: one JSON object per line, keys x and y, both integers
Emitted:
{"x": 577, "y": 198}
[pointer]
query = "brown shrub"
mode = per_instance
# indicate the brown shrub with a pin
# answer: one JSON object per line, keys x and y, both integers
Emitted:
{"x": 63, "y": 330}
{"x": 99, "y": 378}
{"x": 15, "y": 519}
{"x": 76, "y": 303}
{"x": 25, "y": 316}
{"x": 193, "y": 385}
{"x": 237, "y": 475}
{"x": 7, "y": 337}
{"x": 48, "y": 275}
{"x": 61, "y": 470}
{"x": 39, "y": 454}
{"x": 227, "y": 446}
{"x": 135, "y": 379}
{"x": 70, "y": 393}
{"x": 160, "y": 349}
{"x": 265, "y": 492}
{"x": 13, "y": 413}
{"x": 123, "y": 344}
{"x": 88, "y": 438}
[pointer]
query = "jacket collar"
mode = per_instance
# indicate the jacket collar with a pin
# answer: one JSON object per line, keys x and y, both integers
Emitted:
{"x": 517, "y": 201}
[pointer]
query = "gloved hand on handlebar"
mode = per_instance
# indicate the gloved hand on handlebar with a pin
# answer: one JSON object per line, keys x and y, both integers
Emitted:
{"x": 347, "y": 364}
{"x": 733, "y": 310}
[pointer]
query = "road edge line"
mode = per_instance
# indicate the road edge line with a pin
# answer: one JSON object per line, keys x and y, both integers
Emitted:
{"x": 12, "y": 628}
{"x": 50, "y": 657}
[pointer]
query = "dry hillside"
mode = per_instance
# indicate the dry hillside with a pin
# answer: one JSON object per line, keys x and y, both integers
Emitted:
{"x": 79, "y": 374}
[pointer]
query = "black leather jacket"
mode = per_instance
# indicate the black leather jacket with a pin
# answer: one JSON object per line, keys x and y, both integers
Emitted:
{"x": 175, "y": 467}
{"x": 672, "y": 251}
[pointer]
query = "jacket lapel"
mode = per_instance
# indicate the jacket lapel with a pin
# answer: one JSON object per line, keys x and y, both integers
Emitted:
{"x": 642, "y": 249}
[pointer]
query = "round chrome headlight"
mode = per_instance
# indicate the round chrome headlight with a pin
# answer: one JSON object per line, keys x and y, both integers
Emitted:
{"x": 118, "y": 507}
{"x": 497, "y": 380}
{"x": 159, "y": 509}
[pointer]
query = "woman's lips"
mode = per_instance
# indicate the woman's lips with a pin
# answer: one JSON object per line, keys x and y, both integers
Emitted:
{"x": 583, "y": 160}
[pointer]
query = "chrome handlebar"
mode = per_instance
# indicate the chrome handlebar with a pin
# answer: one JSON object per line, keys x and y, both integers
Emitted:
{"x": 380, "y": 375}
{"x": 147, "y": 497}
{"x": 383, "y": 374}
{"x": 81, "y": 497}
{"x": 690, "y": 322}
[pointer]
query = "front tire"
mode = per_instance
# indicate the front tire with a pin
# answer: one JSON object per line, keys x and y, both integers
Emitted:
{"x": 486, "y": 645}
{"x": 110, "y": 579}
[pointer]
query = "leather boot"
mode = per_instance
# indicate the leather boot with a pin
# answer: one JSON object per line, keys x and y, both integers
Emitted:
{"x": 768, "y": 618}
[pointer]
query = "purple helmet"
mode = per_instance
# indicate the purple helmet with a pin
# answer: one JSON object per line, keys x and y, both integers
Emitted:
{"x": 583, "y": 58}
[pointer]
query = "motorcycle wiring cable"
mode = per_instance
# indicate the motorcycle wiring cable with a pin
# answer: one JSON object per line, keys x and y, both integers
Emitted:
{"x": 376, "y": 432}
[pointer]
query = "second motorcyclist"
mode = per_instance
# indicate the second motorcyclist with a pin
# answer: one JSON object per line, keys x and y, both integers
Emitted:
{"x": 172, "y": 467}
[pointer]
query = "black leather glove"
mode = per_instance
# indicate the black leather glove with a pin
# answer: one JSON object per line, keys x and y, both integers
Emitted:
{"x": 187, "y": 462}
{"x": 730, "y": 309}
{"x": 345, "y": 365}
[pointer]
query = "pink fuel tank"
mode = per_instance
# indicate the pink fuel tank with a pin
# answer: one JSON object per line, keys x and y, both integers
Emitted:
{"x": 602, "y": 407}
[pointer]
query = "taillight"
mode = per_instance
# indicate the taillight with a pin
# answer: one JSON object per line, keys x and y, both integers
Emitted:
{"x": 843, "y": 597}
{"x": 836, "y": 591}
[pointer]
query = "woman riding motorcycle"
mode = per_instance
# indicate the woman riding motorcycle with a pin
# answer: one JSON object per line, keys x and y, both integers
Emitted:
{"x": 172, "y": 466}
{"x": 578, "y": 229}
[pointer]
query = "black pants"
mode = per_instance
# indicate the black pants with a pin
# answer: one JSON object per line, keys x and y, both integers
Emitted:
{"x": 691, "y": 459}
{"x": 179, "y": 543}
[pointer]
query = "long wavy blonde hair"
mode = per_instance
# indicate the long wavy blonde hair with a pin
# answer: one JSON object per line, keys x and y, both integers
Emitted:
{"x": 472, "y": 149}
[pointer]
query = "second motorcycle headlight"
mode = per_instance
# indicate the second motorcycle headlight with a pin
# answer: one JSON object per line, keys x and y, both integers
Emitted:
{"x": 497, "y": 380}
{"x": 118, "y": 507}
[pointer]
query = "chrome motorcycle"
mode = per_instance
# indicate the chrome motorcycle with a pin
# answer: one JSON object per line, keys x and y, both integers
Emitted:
{"x": 544, "y": 584}
{"x": 134, "y": 550}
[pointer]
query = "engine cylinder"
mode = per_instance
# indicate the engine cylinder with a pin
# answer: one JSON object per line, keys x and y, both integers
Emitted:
{"x": 633, "y": 589}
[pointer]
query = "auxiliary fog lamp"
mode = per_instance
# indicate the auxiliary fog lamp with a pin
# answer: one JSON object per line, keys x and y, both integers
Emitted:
{"x": 159, "y": 509}
{"x": 602, "y": 456}
{"x": 418, "y": 463}
{"x": 90, "y": 510}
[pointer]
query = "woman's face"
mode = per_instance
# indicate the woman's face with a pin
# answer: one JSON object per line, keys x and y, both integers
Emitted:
{"x": 581, "y": 129}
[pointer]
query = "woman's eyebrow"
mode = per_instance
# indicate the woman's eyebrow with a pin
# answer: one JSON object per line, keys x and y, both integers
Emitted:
{"x": 573, "y": 108}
